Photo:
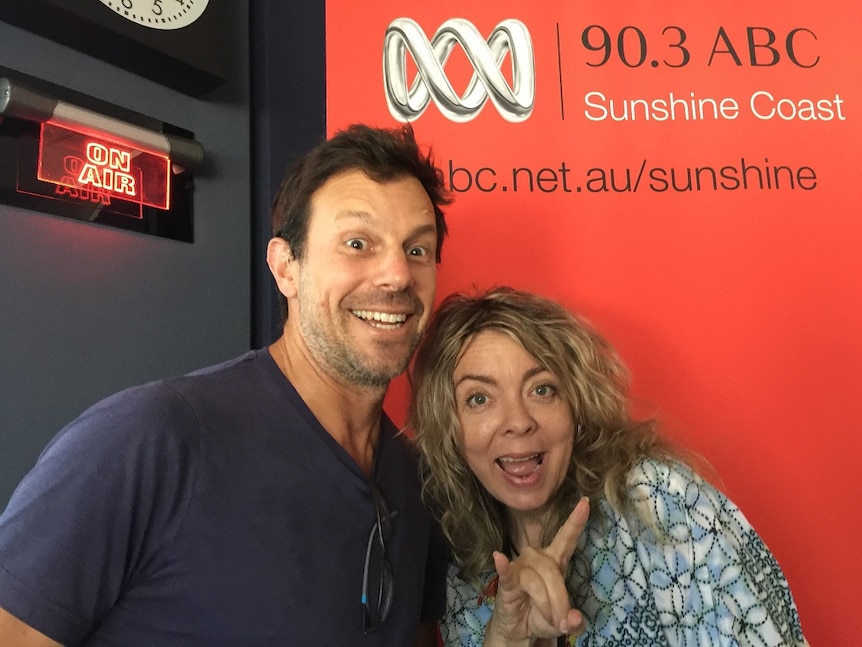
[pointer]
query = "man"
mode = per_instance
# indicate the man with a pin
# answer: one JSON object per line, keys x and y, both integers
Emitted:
{"x": 267, "y": 500}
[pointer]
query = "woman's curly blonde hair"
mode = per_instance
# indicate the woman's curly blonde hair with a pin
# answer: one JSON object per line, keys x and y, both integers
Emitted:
{"x": 594, "y": 381}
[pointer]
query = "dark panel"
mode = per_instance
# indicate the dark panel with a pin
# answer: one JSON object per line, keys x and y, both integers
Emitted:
{"x": 192, "y": 60}
{"x": 288, "y": 89}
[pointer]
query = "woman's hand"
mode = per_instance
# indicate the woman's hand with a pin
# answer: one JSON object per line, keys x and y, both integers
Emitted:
{"x": 532, "y": 601}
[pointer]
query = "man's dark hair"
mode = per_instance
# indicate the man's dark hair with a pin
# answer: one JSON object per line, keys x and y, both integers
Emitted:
{"x": 383, "y": 154}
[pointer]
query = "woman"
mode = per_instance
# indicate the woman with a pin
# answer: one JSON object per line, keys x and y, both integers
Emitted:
{"x": 521, "y": 413}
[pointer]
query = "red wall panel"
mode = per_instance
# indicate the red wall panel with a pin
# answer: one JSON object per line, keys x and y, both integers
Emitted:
{"x": 736, "y": 304}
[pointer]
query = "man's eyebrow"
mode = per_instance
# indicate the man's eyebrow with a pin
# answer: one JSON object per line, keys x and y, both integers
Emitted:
{"x": 421, "y": 230}
{"x": 367, "y": 216}
{"x": 354, "y": 213}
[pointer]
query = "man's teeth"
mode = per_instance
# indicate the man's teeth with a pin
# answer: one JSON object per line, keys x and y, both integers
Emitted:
{"x": 381, "y": 317}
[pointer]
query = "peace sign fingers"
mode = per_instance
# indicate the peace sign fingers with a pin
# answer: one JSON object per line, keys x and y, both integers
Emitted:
{"x": 563, "y": 545}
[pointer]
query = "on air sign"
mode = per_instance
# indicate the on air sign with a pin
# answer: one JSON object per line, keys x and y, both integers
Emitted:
{"x": 95, "y": 165}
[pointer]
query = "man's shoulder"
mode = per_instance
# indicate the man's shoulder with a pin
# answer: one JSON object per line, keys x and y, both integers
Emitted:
{"x": 249, "y": 367}
{"x": 239, "y": 363}
{"x": 249, "y": 377}
{"x": 159, "y": 407}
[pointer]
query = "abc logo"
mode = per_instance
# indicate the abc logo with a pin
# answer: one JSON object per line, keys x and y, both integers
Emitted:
{"x": 407, "y": 99}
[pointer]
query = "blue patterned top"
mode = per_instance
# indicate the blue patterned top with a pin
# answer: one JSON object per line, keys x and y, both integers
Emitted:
{"x": 695, "y": 575}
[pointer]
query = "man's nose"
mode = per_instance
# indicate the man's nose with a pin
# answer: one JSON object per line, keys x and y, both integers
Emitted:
{"x": 394, "y": 271}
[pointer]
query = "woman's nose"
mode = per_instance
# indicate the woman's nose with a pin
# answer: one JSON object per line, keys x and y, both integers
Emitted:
{"x": 518, "y": 418}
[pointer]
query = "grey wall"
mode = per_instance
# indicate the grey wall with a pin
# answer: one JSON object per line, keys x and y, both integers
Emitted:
{"x": 86, "y": 310}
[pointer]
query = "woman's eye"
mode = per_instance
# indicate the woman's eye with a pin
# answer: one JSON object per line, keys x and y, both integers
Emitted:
{"x": 477, "y": 400}
{"x": 356, "y": 243}
{"x": 545, "y": 390}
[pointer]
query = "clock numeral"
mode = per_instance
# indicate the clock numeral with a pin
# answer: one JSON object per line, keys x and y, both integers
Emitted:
{"x": 157, "y": 7}
{"x": 127, "y": 4}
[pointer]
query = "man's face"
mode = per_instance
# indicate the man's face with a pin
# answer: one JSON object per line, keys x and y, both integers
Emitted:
{"x": 367, "y": 280}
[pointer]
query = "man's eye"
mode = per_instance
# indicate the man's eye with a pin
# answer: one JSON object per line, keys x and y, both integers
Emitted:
{"x": 356, "y": 243}
{"x": 417, "y": 251}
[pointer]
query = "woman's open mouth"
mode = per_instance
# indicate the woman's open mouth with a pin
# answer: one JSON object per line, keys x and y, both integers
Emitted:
{"x": 521, "y": 466}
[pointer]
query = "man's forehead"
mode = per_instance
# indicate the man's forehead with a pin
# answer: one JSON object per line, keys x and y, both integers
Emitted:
{"x": 359, "y": 177}
{"x": 352, "y": 194}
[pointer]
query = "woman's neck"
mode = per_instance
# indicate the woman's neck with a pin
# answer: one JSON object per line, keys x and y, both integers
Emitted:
{"x": 526, "y": 529}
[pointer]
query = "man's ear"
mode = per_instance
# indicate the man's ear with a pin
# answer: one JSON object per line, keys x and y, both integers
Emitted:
{"x": 281, "y": 263}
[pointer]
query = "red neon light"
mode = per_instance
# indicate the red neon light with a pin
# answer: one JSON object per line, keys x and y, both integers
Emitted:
{"x": 100, "y": 165}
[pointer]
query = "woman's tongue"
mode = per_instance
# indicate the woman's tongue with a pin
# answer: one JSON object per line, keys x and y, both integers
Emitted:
{"x": 520, "y": 467}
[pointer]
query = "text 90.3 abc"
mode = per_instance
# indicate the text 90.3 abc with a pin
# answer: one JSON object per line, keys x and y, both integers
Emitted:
{"x": 672, "y": 48}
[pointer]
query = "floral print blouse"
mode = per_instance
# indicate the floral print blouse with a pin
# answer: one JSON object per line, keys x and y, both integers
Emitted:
{"x": 686, "y": 570}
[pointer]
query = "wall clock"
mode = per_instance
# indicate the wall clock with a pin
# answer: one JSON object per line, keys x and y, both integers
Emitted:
{"x": 159, "y": 14}
{"x": 183, "y": 44}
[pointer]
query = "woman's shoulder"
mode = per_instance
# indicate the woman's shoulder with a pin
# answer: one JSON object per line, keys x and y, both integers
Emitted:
{"x": 692, "y": 560}
{"x": 471, "y": 593}
{"x": 668, "y": 477}
{"x": 671, "y": 499}
{"x": 468, "y": 608}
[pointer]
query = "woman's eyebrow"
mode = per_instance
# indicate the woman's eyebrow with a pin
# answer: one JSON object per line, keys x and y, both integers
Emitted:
{"x": 487, "y": 379}
{"x": 475, "y": 377}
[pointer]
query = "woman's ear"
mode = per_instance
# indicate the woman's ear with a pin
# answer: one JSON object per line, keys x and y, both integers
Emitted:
{"x": 281, "y": 263}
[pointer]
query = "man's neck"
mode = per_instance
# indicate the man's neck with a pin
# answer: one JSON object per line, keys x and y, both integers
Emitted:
{"x": 350, "y": 413}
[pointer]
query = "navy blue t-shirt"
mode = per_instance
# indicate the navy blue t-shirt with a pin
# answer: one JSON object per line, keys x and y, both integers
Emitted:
{"x": 212, "y": 509}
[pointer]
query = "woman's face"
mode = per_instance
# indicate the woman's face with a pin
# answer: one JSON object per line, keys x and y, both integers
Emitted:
{"x": 517, "y": 431}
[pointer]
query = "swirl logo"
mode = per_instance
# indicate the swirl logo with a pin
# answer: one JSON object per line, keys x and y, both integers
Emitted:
{"x": 407, "y": 102}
